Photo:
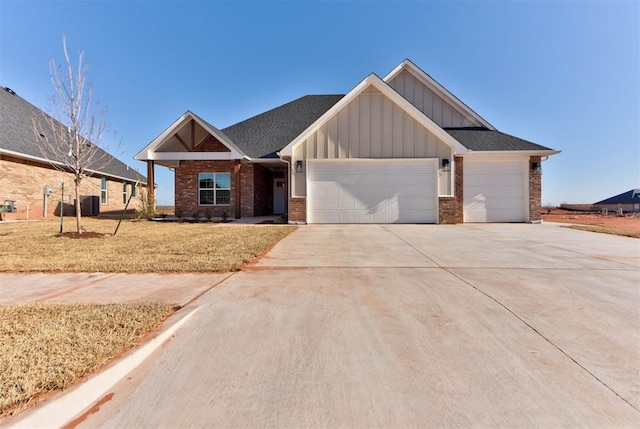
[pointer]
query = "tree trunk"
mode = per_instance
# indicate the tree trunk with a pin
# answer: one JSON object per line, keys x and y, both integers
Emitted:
{"x": 78, "y": 211}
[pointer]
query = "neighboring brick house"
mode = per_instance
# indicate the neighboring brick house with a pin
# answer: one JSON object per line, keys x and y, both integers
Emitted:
{"x": 398, "y": 149}
{"x": 25, "y": 172}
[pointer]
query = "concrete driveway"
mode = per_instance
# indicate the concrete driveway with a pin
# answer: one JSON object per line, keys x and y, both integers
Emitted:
{"x": 405, "y": 326}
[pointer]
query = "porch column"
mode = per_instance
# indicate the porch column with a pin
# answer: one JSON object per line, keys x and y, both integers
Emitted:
{"x": 151, "y": 188}
{"x": 238, "y": 180}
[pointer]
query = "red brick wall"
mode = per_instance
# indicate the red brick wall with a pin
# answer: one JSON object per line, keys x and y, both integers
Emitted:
{"x": 186, "y": 187}
{"x": 211, "y": 144}
{"x": 447, "y": 210}
{"x": 535, "y": 190}
{"x": 297, "y": 209}
{"x": 247, "y": 173}
{"x": 23, "y": 181}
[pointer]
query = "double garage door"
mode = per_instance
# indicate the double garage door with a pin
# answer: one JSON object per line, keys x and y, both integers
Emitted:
{"x": 372, "y": 191}
{"x": 496, "y": 191}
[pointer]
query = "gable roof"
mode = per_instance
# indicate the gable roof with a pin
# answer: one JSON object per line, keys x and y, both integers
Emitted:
{"x": 151, "y": 152}
{"x": 433, "y": 85}
{"x": 629, "y": 197}
{"x": 390, "y": 93}
{"x": 482, "y": 139}
{"x": 267, "y": 133}
{"x": 17, "y": 138}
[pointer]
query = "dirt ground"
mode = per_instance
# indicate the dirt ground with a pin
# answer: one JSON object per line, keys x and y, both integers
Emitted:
{"x": 586, "y": 218}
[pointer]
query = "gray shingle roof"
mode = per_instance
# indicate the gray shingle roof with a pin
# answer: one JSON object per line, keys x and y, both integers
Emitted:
{"x": 482, "y": 139}
{"x": 629, "y": 197}
{"x": 263, "y": 135}
{"x": 17, "y": 135}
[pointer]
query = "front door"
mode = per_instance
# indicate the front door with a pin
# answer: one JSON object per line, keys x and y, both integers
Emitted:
{"x": 279, "y": 196}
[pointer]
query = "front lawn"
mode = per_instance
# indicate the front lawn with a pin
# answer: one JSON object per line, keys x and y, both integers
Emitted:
{"x": 47, "y": 347}
{"x": 139, "y": 246}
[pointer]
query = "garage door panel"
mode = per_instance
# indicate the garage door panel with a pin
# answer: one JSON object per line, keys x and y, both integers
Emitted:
{"x": 496, "y": 191}
{"x": 493, "y": 180}
{"x": 372, "y": 191}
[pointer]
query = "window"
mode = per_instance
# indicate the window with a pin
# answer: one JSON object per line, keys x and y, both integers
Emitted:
{"x": 214, "y": 189}
{"x": 133, "y": 190}
{"x": 103, "y": 191}
{"x": 124, "y": 192}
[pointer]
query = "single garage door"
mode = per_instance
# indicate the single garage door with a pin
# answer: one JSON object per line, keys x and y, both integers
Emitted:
{"x": 372, "y": 191}
{"x": 496, "y": 191}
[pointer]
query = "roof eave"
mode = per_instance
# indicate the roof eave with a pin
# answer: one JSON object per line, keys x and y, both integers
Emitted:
{"x": 62, "y": 165}
{"x": 531, "y": 152}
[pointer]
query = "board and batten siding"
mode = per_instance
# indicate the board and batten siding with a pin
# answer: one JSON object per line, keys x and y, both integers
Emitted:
{"x": 371, "y": 126}
{"x": 434, "y": 106}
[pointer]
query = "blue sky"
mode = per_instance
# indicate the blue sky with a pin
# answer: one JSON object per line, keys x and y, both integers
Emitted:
{"x": 564, "y": 74}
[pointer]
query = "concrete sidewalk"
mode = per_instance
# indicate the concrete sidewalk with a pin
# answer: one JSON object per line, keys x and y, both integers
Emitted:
{"x": 105, "y": 287}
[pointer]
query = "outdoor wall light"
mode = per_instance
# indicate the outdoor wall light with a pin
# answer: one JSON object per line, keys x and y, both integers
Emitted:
{"x": 446, "y": 165}
{"x": 299, "y": 166}
{"x": 536, "y": 167}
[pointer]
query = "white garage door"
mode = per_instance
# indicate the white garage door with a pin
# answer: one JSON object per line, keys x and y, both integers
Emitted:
{"x": 496, "y": 191}
{"x": 372, "y": 191}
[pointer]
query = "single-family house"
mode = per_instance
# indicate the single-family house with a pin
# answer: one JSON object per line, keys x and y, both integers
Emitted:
{"x": 627, "y": 201}
{"x": 28, "y": 178}
{"x": 395, "y": 149}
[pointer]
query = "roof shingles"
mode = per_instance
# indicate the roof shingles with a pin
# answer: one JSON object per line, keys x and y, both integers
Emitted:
{"x": 483, "y": 139}
{"x": 17, "y": 135}
{"x": 265, "y": 134}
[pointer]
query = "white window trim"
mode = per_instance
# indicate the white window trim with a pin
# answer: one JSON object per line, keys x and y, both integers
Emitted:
{"x": 214, "y": 189}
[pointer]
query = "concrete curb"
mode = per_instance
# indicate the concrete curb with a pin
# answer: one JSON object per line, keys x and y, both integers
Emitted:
{"x": 61, "y": 410}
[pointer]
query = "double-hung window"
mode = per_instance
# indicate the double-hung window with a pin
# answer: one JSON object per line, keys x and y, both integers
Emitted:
{"x": 124, "y": 192}
{"x": 214, "y": 189}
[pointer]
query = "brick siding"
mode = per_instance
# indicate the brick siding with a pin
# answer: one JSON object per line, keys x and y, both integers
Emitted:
{"x": 186, "y": 187}
{"x": 535, "y": 190}
{"x": 23, "y": 181}
{"x": 297, "y": 209}
{"x": 447, "y": 210}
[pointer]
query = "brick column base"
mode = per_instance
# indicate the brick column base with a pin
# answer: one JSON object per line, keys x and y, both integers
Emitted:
{"x": 298, "y": 210}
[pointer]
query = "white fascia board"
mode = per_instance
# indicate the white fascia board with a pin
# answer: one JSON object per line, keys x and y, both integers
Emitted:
{"x": 512, "y": 153}
{"x": 62, "y": 165}
{"x": 190, "y": 156}
{"x": 386, "y": 90}
{"x": 431, "y": 83}
{"x": 149, "y": 152}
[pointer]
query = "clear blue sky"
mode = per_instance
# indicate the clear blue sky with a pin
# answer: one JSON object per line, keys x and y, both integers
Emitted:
{"x": 564, "y": 74}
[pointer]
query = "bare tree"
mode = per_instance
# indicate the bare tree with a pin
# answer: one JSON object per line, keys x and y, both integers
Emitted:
{"x": 70, "y": 138}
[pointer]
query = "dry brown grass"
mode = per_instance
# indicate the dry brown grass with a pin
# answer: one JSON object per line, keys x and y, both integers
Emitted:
{"x": 45, "y": 347}
{"x": 625, "y": 232}
{"x": 139, "y": 246}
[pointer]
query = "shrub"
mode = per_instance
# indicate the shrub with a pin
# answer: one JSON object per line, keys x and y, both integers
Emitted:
{"x": 224, "y": 216}
{"x": 207, "y": 214}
